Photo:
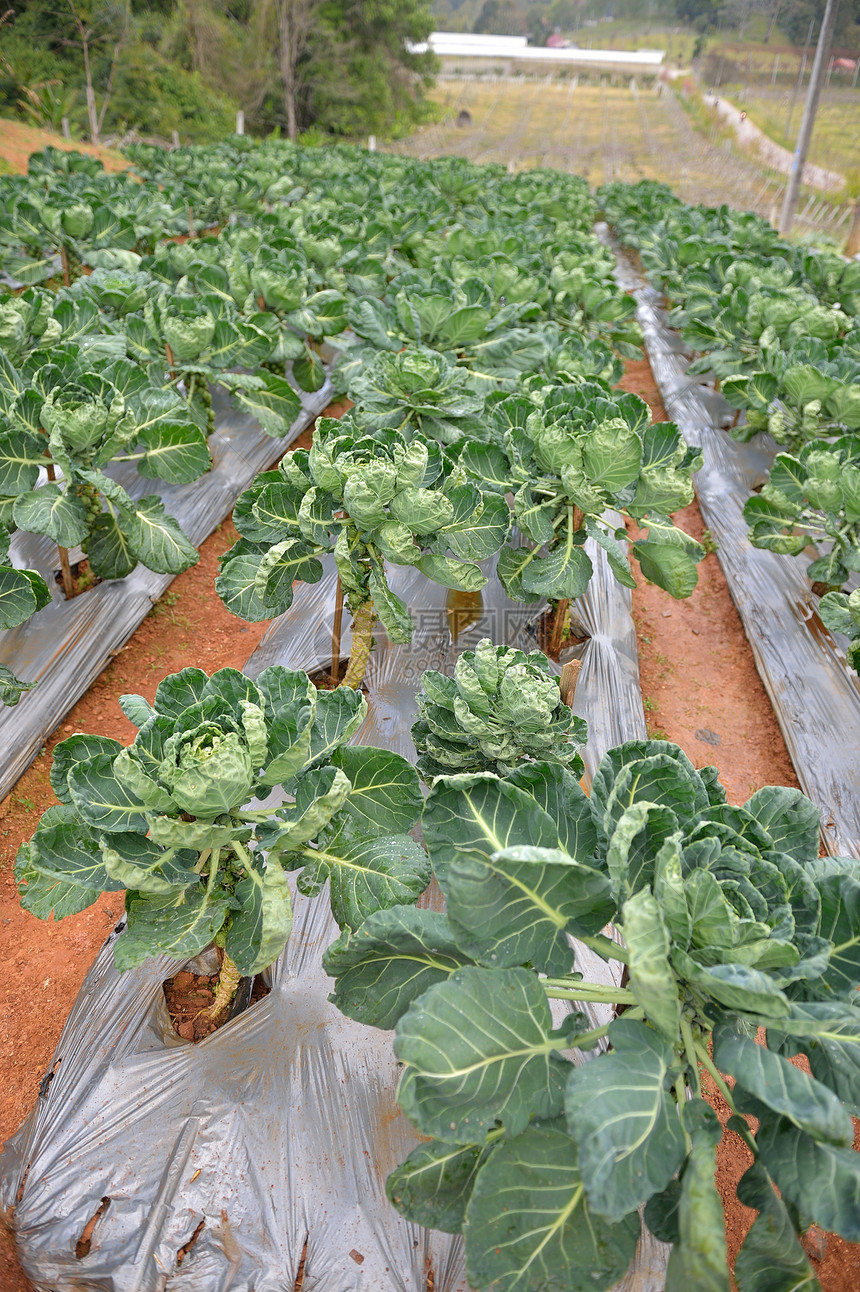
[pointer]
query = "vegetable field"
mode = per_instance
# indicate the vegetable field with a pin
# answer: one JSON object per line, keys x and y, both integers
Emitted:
{"x": 431, "y": 959}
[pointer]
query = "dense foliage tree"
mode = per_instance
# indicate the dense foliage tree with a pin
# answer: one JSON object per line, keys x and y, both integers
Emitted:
{"x": 162, "y": 65}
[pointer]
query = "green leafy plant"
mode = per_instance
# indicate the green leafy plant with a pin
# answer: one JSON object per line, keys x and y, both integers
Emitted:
{"x": 501, "y": 709}
{"x": 366, "y": 499}
{"x": 72, "y": 417}
{"x": 811, "y": 498}
{"x": 35, "y": 230}
{"x": 840, "y": 612}
{"x": 179, "y": 820}
{"x": 417, "y": 390}
{"x": 729, "y": 922}
{"x": 203, "y": 339}
{"x": 579, "y": 452}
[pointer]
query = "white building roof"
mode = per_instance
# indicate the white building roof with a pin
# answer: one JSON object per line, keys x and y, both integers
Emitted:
{"x": 471, "y": 45}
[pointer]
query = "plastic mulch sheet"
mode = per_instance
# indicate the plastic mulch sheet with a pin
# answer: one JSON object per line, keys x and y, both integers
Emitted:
{"x": 272, "y": 1138}
{"x": 815, "y": 695}
{"x": 67, "y": 645}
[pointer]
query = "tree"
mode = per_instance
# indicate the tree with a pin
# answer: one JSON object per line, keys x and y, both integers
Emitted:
{"x": 98, "y": 25}
{"x": 296, "y": 21}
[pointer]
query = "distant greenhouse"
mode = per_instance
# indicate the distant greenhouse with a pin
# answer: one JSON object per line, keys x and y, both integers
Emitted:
{"x": 449, "y": 44}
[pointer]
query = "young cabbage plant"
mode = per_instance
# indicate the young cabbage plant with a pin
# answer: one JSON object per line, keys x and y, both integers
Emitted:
{"x": 417, "y": 391}
{"x": 840, "y": 612}
{"x": 500, "y": 710}
{"x": 200, "y": 340}
{"x": 22, "y": 594}
{"x": 812, "y": 498}
{"x": 70, "y": 418}
{"x": 37, "y": 231}
{"x": 180, "y": 820}
{"x": 580, "y": 452}
{"x": 366, "y": 499}
{"x": 732, "y": 928}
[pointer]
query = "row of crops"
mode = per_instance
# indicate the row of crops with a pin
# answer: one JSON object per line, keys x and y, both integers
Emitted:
{"x": 473, "y": 319}
{"x": 778, "y": 326}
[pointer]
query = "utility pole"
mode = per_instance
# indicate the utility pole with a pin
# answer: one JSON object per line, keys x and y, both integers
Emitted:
{"x": 816, "y": 80}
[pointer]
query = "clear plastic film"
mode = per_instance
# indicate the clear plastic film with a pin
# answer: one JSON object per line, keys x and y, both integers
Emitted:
{"x": 272, "y": 1138}
{"x": 815, "y": 695}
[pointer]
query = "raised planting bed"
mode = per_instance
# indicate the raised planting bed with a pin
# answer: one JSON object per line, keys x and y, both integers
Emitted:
{"x": 815, "y": 695}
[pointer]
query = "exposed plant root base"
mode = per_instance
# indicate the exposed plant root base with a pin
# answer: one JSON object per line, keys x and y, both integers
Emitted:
{"x": 702, "y": 690}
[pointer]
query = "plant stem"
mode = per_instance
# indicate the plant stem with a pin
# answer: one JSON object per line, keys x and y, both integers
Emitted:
{"x": 606, "y": 947}
{"x": 591, "y": 994}
{"x": 362, "y": 641}
{"x": 715, "y": 1075}
{"x": 587, "y": 1040}
{"x": 191, "y": 221}
{"x": 335, "y": 634}
{"x": 691, "y": 1052}
{"x": 228, "y": 982}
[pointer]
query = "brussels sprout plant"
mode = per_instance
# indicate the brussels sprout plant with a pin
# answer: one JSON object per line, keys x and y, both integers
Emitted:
{"x": 71, "y": 417}
{"x": 840, "y": 612}
{"x": 366, "y": 499}
{"x": 179, "y": 820}
{"x": 567, "y": 459}
{"x": 730, "y": 923}
{"x": 501, "y": 708}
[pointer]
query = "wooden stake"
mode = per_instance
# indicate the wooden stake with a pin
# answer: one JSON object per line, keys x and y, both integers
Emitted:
{"x": 568, "y": 681}
{"x": 64, "y": 257}
{"x": 335, "y": 634}
{"x": 558, "y": 627}
{"x": 191, "y": 221}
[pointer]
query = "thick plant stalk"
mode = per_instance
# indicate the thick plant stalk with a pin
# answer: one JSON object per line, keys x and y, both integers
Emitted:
{"x": 228, "y": 983}
{"x": 362, "y": 641}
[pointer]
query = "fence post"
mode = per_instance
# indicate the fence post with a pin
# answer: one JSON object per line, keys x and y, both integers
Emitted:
{"x": 775, "y": 70}
{"x": 176, "y": 139}
{"x": 371, "y": 143}
{"x": 240, "y": 121}
{"x": 67, "y": 134}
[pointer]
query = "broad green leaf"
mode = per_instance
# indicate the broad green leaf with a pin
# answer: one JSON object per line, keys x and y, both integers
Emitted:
{"x": 771, "y": 1258}
{"x": 625, "y": 1121}
{"x": 528, "y": 1227}
{"x": 791, "y": 820}
{"x": 822, "y": 1181}
{"x": 672, "y": 568}
{"x": 70, "y": 852}
{"x": 392, "y": 612}
{"x": 51, "y": 511}
{"x": 178, "y": 926}
{"x": 478, "y": 1050}
{"x": 44, "y": 894}
{"x": 157, "y": 540}
{"x": 394, "y": 956}
{"x": 480, "y": 816}
{"x": 449, "y": 573}
{"x": 77, "y": 749}
{"x": 517, "y": 907}
{"x": 21, "y": 455}
{"x": 174, "y": 453}
{"x": 236, "y": 585}
{"x": 785, "y": 1089}
{"x": 102, "y": 800}
{"x": 615, "y": 554}
{"x": 735, "y": 986}
{"x": 385, "y": 795}
{"x": 179, "y": 691}
{"x": 366, "y": 874}
{"x": 564, "y": 573}
{"x": 558, "y": 792}
{"x": 829, "y": 1035}
{"x": 699, "y": 1259}
{"x": 109, "y": 549}
{"x": 635, "y": 843}
{"x": 651, "y": 979}
{"x": 840, "y": 924}
{"x": 612, "y": 455}
{"x": 136, "y": 862}
{"x": 18, "y": 600}
{"x": 258, "y": 931}
{"x": 433, "y": 1186}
